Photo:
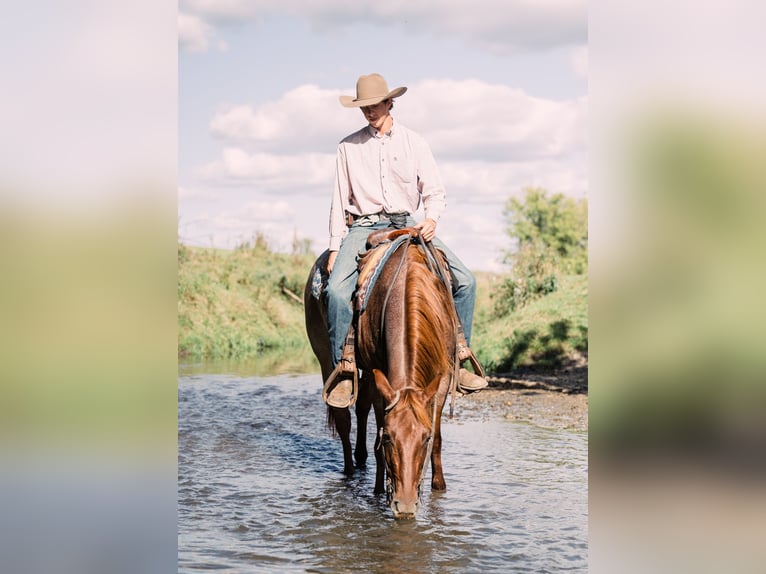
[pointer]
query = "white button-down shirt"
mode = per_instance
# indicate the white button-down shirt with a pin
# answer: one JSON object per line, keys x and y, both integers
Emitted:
{"x": 392, "y": 172}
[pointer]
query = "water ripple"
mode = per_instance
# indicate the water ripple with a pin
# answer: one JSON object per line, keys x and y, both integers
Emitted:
{"x": 261, "y": 490}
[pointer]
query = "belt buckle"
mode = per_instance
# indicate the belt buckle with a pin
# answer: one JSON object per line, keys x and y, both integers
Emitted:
{"x": 368, "y": 220}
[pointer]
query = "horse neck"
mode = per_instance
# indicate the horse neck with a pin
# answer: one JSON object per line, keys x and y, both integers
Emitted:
{"x": 428, "y": 322}
{"x": 410, "y": 310}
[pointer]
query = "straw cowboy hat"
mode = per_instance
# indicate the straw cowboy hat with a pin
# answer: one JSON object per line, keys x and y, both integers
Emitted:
{"x": 370, "y": 90}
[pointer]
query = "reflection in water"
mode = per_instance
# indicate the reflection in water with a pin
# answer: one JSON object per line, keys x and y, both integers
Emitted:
{"x": 261, "y": 490}
{"x": 269, "y": 363}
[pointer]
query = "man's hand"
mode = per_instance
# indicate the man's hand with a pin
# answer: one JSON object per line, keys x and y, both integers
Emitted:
{"x": 427, "y": 229}
{"x": 331, "y": 261}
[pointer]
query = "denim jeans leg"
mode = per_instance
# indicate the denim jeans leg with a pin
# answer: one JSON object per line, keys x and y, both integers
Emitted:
{"x": 464, "y": 292}
{"x": 341, "y": 286}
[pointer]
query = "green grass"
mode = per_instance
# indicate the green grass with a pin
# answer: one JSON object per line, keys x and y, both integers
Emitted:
{"x": 231, "y": 303}
{"x": 231, "y": 306}
{"x": 548, "y": 333}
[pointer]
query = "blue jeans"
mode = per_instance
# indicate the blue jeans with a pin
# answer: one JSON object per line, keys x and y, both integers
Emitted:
{"x": 342, "y": 283}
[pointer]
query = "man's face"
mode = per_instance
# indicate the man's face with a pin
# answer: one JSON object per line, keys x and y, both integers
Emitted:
{"x": 377, "y": 114}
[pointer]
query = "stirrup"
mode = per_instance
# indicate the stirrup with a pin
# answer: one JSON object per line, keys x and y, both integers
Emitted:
{"x": 340, "y": 374}
{"x": 468, "y": 382}
{"x": 464, "y": 353}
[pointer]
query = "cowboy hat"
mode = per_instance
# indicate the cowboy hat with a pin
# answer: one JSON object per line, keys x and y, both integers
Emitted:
{"x": 370, "y": 90}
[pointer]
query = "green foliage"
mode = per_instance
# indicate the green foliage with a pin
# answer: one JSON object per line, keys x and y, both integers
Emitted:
{"x": 548, "y": 332}
{"x": 552, "y": 226}
{"x": 183, "y": 253}
{"x": 231, "y": 304}
{"x": 551, "y": 237}
{"x": 534, "y": 276}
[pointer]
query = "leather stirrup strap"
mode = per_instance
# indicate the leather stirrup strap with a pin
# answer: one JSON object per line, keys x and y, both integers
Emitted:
{"x": 347, "y": 356}
{"x": 334, "y": 376}
{"x": 434, "y": 260}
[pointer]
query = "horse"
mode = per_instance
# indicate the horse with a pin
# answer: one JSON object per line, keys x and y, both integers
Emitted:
{"x": 406, "y": 340}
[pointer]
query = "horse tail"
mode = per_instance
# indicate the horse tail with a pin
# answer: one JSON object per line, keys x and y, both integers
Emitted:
{"x": 331, "y": 422}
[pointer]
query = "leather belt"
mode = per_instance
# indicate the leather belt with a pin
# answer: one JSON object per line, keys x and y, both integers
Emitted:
{"x": 373, "y": 218}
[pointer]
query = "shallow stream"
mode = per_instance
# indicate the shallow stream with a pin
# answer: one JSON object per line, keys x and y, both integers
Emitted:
{"x": 261, "y": 489}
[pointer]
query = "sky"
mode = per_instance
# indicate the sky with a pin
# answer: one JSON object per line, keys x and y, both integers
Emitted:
{"x": 497, "y": 88}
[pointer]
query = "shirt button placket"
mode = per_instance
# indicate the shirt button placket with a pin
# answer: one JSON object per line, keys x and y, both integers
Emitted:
{"x": 383, "y": 169}
{"x": 383, "y": 175}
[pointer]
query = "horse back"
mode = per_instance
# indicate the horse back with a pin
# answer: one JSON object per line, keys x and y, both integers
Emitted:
{"x": 408, "y": 327}
{"x": 315, "y": 313}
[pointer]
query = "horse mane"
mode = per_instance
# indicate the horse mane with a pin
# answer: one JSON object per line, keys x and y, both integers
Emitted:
{"x": 418, "y": 407}
{"x": 429, "y": 320}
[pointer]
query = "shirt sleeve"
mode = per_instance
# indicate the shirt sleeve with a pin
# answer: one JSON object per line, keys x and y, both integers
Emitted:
{"x": 429, "y": 182}
{"x": 340, "y": 199}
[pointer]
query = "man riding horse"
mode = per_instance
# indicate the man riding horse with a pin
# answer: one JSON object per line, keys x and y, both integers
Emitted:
{"x": 384, "y": 172}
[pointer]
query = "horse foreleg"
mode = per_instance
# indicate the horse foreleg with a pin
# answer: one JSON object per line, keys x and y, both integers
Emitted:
{"x": 363, "y": 405}
{"x": 437, "y": 475}
{"x": 342, "y": 419}
{"x": 380, "y": 463}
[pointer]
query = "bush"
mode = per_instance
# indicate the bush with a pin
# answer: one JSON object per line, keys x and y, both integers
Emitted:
{"x": 534, "y": 275}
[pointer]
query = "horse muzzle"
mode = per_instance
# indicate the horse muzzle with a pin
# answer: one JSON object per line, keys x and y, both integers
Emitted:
{"x": 404, "y": 510}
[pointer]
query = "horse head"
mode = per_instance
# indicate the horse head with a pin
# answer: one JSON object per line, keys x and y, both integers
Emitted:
{"x": 406, "y": 439}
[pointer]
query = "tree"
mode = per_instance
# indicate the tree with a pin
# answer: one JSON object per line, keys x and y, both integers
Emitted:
{"x": 551, "y": 236}
{"x": 555, "y": 225}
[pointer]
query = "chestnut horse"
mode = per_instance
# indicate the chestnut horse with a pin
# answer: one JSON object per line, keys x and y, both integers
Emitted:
{"x": 406, "y": 348}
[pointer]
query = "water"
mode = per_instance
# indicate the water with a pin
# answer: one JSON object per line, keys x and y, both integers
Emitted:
{"x": 260, "y": 489}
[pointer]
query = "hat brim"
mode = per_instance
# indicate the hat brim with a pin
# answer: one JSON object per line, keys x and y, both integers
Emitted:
{"x": 351, "y": 102}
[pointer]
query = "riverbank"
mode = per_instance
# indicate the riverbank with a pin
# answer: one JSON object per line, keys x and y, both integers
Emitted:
{"x": 242, "y": 303}
{"x": 555, "y": 400}
{"x": 546, "y": 409}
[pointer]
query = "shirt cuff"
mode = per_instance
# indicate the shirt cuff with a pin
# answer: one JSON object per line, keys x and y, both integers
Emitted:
{"x": 335, "y": 243}
{"x": 433, "y": 216}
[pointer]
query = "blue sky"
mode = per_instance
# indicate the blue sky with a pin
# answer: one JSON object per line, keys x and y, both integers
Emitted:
{"x": 498, "y": 89}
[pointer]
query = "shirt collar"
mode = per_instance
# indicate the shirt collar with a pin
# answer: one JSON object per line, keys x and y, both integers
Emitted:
{"x": 374, "y": 133}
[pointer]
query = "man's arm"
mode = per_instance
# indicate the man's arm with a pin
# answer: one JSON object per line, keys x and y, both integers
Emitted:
{"x": 340, "y": 195}
{"x": 430, "y": 184}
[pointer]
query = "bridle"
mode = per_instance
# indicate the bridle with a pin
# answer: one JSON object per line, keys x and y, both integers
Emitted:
{"x": 429, "y": 449}
{"x": 435, "y": 267}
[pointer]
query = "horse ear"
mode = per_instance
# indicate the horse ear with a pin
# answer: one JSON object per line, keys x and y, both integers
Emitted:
{"x": 433, "y": 386}
{"x": 384, "y": 387}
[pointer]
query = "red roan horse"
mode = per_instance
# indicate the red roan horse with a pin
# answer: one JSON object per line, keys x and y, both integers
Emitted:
{"x": 405, "y": 346}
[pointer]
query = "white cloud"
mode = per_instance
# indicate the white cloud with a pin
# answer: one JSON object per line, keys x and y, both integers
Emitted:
{"x": 268, "y": 210}
{"x": 270, "y": 171}
{"x": 230, "y": 227}
{"x": 185, "y": 193}
{"x": 472, "y": 180}
{"x": 194, "y": 34}
{"x": 498, "y": 25}
{"x": 477, "y": 232}
{"x": 483, "y": 182}
{"x": 475, "y": 119}
{"x": 460, "y": 119}
{"x": 305, "y": 118}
